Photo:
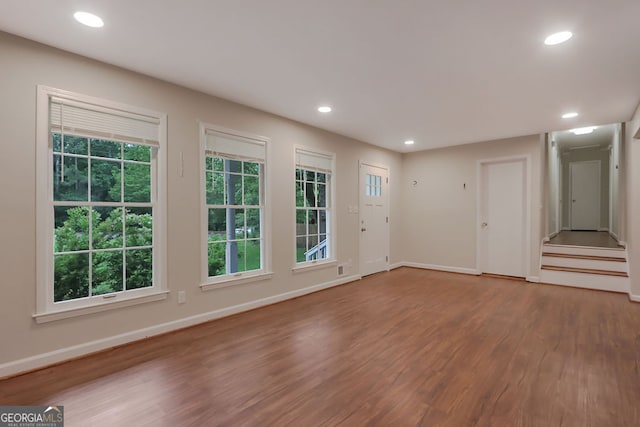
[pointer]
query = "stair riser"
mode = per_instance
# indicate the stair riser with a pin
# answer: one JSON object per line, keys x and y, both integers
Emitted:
{"x": 585, "y": 263}
{"x": 587, "y": 281}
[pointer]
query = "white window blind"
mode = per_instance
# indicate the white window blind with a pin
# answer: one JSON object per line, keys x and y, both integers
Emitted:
{"x": 220, "y": 144}
{"x": 80, "y": 118}
{"x": 312, "y": 160}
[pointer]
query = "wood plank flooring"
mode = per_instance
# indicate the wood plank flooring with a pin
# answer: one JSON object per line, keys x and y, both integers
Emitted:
{"x": 409, "y": 347}
{"x": 597, "y": 239}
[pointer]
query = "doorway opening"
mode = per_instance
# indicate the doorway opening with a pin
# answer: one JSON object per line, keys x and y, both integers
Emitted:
{"x": 583, "y": 244}
{"x": 584, "y": 187}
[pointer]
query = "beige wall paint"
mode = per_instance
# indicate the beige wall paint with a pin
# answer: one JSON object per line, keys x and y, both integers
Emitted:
{"x": 583, "y": 156}
{"x": 631, "y": 187}
{"x": 552, "y": 186}
{"x": 25, "y": 64}
{"x": 616, "y": 183}
{"x": 439, "y": 222}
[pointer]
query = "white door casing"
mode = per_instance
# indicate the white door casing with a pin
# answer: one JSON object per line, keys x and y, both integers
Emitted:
{"x": 503, "y": 243}
{"x": 374, "y": 218}
{"x": 584, "y": 201}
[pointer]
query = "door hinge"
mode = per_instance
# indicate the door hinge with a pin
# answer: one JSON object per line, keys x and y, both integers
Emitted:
{"x": 387, "y": 258}
{"x": 387, "y": 180}
{"x": 387, "y": 220}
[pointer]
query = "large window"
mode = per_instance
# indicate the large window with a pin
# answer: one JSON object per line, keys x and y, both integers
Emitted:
{"x": 234, "y": 201}
{"x": 314, "y": 223}
{"x": 98, "y": 204}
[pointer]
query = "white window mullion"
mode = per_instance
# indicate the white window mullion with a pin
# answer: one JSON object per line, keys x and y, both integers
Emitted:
{"x": 90, "y": 207}
{"x": 90, "y": 251}
{"x": 124, "y": 247}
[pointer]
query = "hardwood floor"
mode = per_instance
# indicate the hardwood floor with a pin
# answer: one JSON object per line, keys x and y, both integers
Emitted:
{"x": 596, "y": 239}
{"x": 409, "y": 347}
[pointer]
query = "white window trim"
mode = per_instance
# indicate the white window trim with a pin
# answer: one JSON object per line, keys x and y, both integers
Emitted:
{"x": 46, "y": 309}
{"x": 299, "y": 267}
{"x": 236, "y": 279}
{"x": 314, "y": 265}
{"x": 266, "y": 273}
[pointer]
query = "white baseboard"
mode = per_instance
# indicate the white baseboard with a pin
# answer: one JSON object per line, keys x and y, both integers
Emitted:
{"x": 396, "y": 265}
{"x": 552, "y": 235}
{"x": 533, "y": 279}
{"x": 603, "y": 229}
{"x": 565, "y": 229}
{"x": 462, "y": 270}
{"x": 57, "y": 356}
{"x": 634, "y": 298}
{"x": 617, "y": 239}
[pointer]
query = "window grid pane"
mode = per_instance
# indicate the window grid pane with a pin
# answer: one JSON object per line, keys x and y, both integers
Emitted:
{"x": 312, "y": 215}
{"x": 373, "y": 185}
{"x": 103, "y": 208}
{"x": 234, "y": 205}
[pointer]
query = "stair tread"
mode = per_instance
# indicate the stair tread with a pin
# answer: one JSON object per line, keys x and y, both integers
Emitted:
{"x": 619, "y": 248}
{"x": 589, "y": 257}
{"x": 585, "y": 270}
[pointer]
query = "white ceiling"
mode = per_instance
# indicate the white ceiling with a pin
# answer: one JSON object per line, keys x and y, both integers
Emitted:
{"x": 600, "y": 138}
{"x": 440, "y": 72}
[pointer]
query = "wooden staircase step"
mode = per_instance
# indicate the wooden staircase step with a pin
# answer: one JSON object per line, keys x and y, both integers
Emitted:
{"x": 585, "y": 270}
{"x": 589, "y": 257}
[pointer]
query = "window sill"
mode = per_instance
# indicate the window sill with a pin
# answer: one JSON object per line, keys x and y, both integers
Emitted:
{"x": 235, "y": 280}
{"x": 314, "y": 265}
{"x": 52, "y": 316}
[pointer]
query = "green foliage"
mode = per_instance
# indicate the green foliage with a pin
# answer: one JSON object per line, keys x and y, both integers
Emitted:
{"x": 71, "y": 276}
{"x": 117, "y": 263}
{"x": 248, "y": 255}
{"x": 216, "y": 256}
{"x": 72, "y": 270}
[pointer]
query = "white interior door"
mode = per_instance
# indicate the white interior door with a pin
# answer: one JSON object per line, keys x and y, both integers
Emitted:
{"x": 585, "y": 195}
{"x": 503, "y": 194}
{"x": 374, "y": 219}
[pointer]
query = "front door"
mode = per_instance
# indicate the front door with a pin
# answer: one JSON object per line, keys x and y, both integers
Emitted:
{"x": 585, "y": 195}
{"x": 374, "y": 219}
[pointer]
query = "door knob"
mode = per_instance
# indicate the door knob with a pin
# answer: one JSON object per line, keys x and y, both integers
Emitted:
{"x": 363, "y": 229}
{"x": 574, "y": 200}
{"x": 484, "y": 225}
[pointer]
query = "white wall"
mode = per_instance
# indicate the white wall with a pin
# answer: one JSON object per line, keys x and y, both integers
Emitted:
{"x": 553, "y": 185}
{"x": 24, "y": 65}
{"x": 615, "y": 184}
{"x": 439, "y": 222}
{"x": 631, "y": 157}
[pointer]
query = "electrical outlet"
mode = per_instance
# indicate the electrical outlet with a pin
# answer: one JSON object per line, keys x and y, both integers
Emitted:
{"x": 182, "y": 297}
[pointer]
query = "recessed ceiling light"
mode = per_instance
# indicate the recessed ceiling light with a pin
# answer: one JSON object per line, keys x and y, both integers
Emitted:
{"x": 583, "y": 131}
{"x": 558, "y": 38}
{"x": 88, "y": 19}
{"x": 569, "y": 115}
{"x": 324, "y": 109}
{"x": 409, "y": 142}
